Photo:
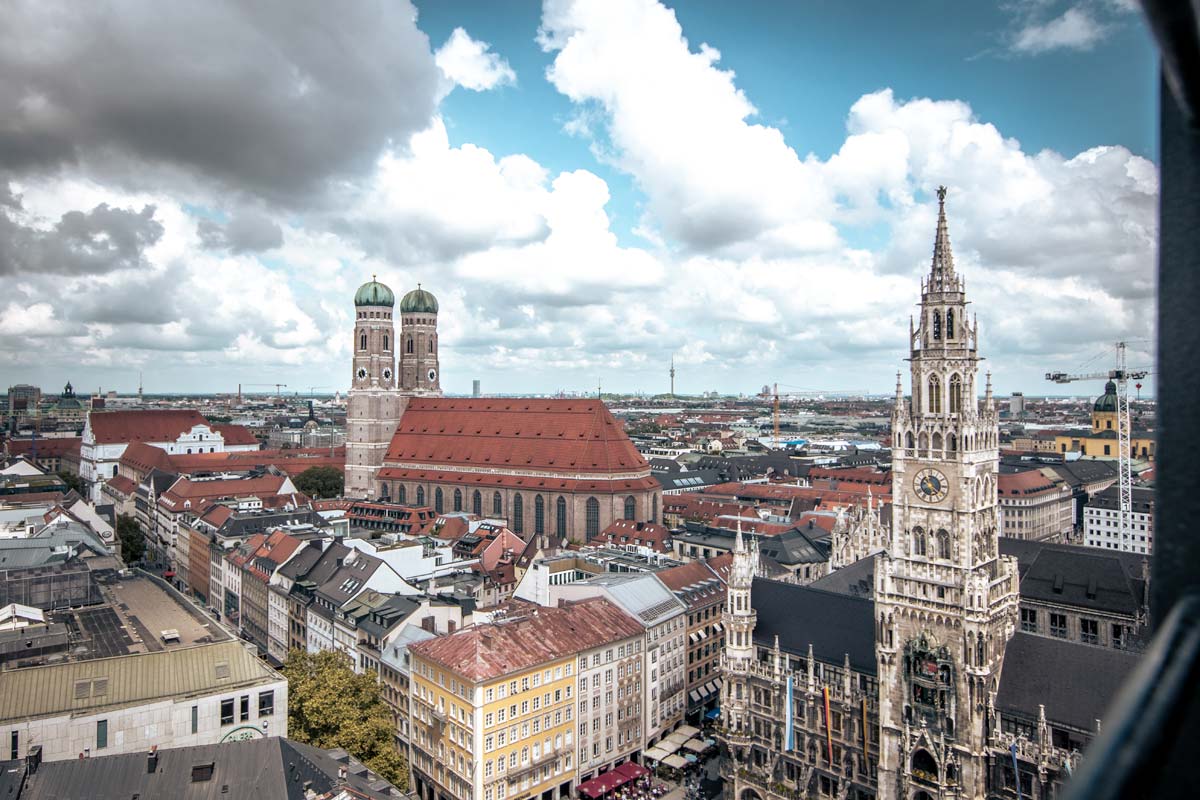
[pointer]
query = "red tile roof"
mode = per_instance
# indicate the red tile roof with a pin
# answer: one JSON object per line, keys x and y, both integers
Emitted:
{"x": 235, "y": 434}
{"x": 185, "y": 489}
{"x": 646, "y": 534}
{"x": 114, "y": 427}
{"x": 530, "y": 482}
{"x": 122, "y": 484}
{"x": 141, "y": 458}
{"x": 529, "y": 636}
{"x": 683, "y": 576}
{"x": 46, "y": 448}
{"x": 1025, "y": 483}
{"x": 521, "y": 433}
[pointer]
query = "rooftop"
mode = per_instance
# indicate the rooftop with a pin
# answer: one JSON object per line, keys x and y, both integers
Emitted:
{"x": 835, "y": 625}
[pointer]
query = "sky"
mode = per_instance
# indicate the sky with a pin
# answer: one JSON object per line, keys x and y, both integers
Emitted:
{"x": 193, "y": 192}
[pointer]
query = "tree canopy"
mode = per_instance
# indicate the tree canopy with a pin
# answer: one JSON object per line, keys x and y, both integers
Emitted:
{"x": 330, "y": 705}
{"x": 321, "y": 482}
{"x": 133, "y": 546}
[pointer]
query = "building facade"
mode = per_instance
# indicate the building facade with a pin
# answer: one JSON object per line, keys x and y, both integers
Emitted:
{"x": 1102, "y": 522}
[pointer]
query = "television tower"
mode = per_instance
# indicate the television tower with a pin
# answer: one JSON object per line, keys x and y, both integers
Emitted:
{"x": 672, "y": 376}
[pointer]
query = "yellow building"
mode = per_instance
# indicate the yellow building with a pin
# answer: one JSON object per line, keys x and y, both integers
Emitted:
{"x": 493, "y": 706}
{"x": 1102, "y": 440}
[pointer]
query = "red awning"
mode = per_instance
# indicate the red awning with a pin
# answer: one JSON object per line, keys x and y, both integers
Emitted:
{"x": 631, "y": 770}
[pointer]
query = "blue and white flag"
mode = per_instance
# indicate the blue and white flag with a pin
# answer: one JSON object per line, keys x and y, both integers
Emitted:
{"x": 787, "y": 717}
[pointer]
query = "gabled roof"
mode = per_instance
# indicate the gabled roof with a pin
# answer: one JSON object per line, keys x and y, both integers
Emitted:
{"x": 114, "y": 427}
{"x": 519, "y": 433}
{"x": 46, "y": 448}
{"x": 143, "y": 457}
{"x": 835, "y": 625}
{"x": 235, "y": 434}
{"x": 530, "y": 636}
{"x": 1072, "y": 575}
{"x": 1075, "y": 682}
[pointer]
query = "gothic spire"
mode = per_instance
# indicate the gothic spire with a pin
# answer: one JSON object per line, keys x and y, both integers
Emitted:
{"x": 941, "y": 273}
{"x": 738, "y": 545}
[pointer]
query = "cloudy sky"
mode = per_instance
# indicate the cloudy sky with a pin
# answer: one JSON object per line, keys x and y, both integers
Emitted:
{"x": 590, "y": 187}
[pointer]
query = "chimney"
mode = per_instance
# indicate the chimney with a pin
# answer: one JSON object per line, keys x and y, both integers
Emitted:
{"x": 152, "y": 760}
{"x": 33, "y": 759}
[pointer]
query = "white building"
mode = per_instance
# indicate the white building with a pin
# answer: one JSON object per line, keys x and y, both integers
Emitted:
{"x": 108, "y": 433}
{"x": 172, "y": 698}
{"x": 1102, "y": 522}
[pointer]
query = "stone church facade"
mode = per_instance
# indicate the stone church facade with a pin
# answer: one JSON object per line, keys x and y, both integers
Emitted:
{"x": 555, "y": 467}
{"x": 920, "y": 687}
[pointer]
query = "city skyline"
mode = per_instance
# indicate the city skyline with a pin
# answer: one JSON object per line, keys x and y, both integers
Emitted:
{"x": 589, "y": 195}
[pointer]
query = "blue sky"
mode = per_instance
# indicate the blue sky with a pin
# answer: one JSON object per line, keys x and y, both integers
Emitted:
{"x": 588, "y": 187}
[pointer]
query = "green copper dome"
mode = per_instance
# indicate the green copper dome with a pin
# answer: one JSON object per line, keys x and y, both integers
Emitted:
{"x": 1108, "y": 400}
{"x": 374, "y": 293}
{"x": 418, "y": 301}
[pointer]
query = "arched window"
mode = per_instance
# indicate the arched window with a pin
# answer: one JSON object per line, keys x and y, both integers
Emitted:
{"x": 477, "y": 504}
{"x": 979, "y": 652}
{"x": 937, "y": 441}
{"x": 922, "y": 444}
{"x": 952, "y": 443}
{"x": 937, "y": 326}
{"x": 950, "y": 323}
{"x": 654, "y": 508}
{"x": 935, "y": 394}
{"x": 919, "y": 545}
{"x": 518, "y": 514}
{"x": 386, "y": 341}
{"x": 458, "y": 499}
{"x": 560, "y": 514}
{"x": 401, "y": 494}
{"x": 362, "y": 341}
{"x": 593, "y": 518}
{"x": 431, "y": 344}
{"x": 408, "y": 345}
{"x": 943, "y": 542}
{"x": 437, "y": 500}
{"x": 539, "y": 515}
{"x": 497, "y": 504}
{"x": 923, "y": 765}
{"x": 630, "y": 508}
{"x": 420, "y": 495}
{"x": 909, "y": 444}
{"x": 955, "y": 394}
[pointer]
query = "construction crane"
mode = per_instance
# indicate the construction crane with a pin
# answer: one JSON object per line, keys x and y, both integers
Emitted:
{"x": 1121, "y": 376}
{"x": 312, "y": 390}
{"x": 278, "y": 387}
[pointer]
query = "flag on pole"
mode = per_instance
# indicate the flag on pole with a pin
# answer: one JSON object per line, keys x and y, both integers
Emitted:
{"x": 787, "y": 718}
{"x": 1016, "y": 770}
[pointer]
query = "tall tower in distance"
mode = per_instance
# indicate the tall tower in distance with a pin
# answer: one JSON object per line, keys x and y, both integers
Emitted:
{"x": 672, "y": 376}
{"x": 373, "y": 409}
{"x": 419, "y": 373}
{"x": 946, "y": 601}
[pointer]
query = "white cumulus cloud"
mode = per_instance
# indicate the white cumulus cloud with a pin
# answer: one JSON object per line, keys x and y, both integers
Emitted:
{"x": 469, "y": 63}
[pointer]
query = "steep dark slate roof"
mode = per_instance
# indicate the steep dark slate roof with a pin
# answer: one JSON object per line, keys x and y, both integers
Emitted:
{"x": 1075, "y": 682}
{"x": 1084, "y": 577}
{"x": 834, "y": 624}
{"x": 796, "y": 546}
{"x": 1076, "y": 473}
{"x": 272, "y": 767}
{"x": 855, "y": 580}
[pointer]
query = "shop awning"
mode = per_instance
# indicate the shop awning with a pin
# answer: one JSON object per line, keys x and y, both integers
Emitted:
{"x": 675, "y": 762}
{"x": 695, "y": 745}
{"x": 713, "y": 714}
{"x": 688, "y": 731}
{"x": 631, "y": 770}
{"x": 657, "y": 753}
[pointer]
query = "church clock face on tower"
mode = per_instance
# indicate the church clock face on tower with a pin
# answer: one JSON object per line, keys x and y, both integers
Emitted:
{"x": 362, "y": 373}
{"x": 931, "y": 485}
{"x": 432, "y": 375}
{"x": 387, "y": 374}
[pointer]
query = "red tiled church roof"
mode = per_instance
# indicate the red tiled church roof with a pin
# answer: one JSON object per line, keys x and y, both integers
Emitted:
{"x": 520, "y": 433}
{"x": 46, "y": 448}
{"x": 530, "y": 483}
{"x": 114, "y": 427}
{"x": 235, "y": 434}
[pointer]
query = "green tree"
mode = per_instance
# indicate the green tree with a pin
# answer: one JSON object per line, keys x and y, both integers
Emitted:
{"x": 330, "y": 705}
{"x": 72, "y": 482}
{"x": 133, "y": 545}
{"x": 321, "y": 482}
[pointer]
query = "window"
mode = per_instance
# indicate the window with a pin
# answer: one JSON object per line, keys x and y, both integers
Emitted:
{"x": 101, "y": 734}
{"x": 266, "y": 703}
{"x": 477, "y": 504}
{"x": 458, "y": 499}
{"x": 14, "y": 745}
{"x": 1058, "y": 625}
{"x": 950, "y": 323}
{"x": 401, "y": 494}
{"x": 560, "y": 511}
{"x": 437, "y": 500}
{"x": 630, "y": 508}
{"x": 1089, "y": 631}
{"x": 497, "y": 504}
{"x": 593, "y": 518}
{"x": 245, "y": 704}
{"x": 408, "y": 345}
{"x": 937, "y": 326}
{"x": 518, "y": 514}
{"x": 420, "y": 495}
{"x": 362, "y": 341}
{"x": 1118, "y": 636}
{"x": 955, "y": 387}
{"x": 539, "y": 515}
{"x": 943, "y": 538}
{"x": 935, "y": 395}
{"x": 195, "y": 719}
{"x": 919, "y": 543}
{"x": 227, "y": 712}
{"x": 1029, "y": 620}
{"x": 385, "y": 341}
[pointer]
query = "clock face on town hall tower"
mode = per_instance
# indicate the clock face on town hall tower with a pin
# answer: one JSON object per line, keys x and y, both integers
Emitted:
{"x": 931, "y": 485}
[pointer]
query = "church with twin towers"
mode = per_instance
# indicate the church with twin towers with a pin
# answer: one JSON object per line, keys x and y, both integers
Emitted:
{"x": 551, "y": 467}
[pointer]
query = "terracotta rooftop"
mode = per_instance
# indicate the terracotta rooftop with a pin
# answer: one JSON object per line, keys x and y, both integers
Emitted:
{"x": 531, "y": 636}
{"x": 46, "y": 448}
{"x": 648, "y": 534}
{"x": 534, "y": 434}
{"x": 235, "y": 434}
{"x": 185, "y": 489}
{"x": 142, "y": 458}
{"x": 531, "y": 482}
{"x": 122, "y": 484}
{"x": 1025, "y": 483}
{"x": 114, "y": 427}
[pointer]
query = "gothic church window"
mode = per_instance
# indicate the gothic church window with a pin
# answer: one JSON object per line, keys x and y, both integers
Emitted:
{"x": 539, "y": 515}
{"x": 420, "y": 495}
{"x": 919, "y": 544}
{"x": 477, "y": 504}
{"x": 518, "y": 514}
{"x": 593, "y": 518}
{"x": 909, "y": 444}
{"x": 937, "y": 441}
{"x": 943, "y": 540}
{"x": 458, "y": 499}
{"x": 437, "y": 500}
{"x": 362, "y": 341}
{"x": 950, "y": 323}
{"x": 497, "y": 504}
{"x": 401, "y": 494}
{"x": 408, "y": 345}
{"x": 955, "y": 394}
{"x": 560, "y": 512}
{"x": 937, "y": 326}
{"x": 629, "y": 508}
{"x": 935, "y": 395}
{"x": 386, "y": 341}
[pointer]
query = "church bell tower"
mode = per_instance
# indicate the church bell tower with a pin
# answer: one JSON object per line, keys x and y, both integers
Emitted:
{"x": 373, "y": 408}
{"x": 945, "y": 600}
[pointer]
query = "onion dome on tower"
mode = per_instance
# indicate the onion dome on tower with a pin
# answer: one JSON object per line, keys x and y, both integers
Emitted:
{"x": 1108, "y": 400}
{"x": 419, "y": 301}
{"x": 374, "y": 293}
